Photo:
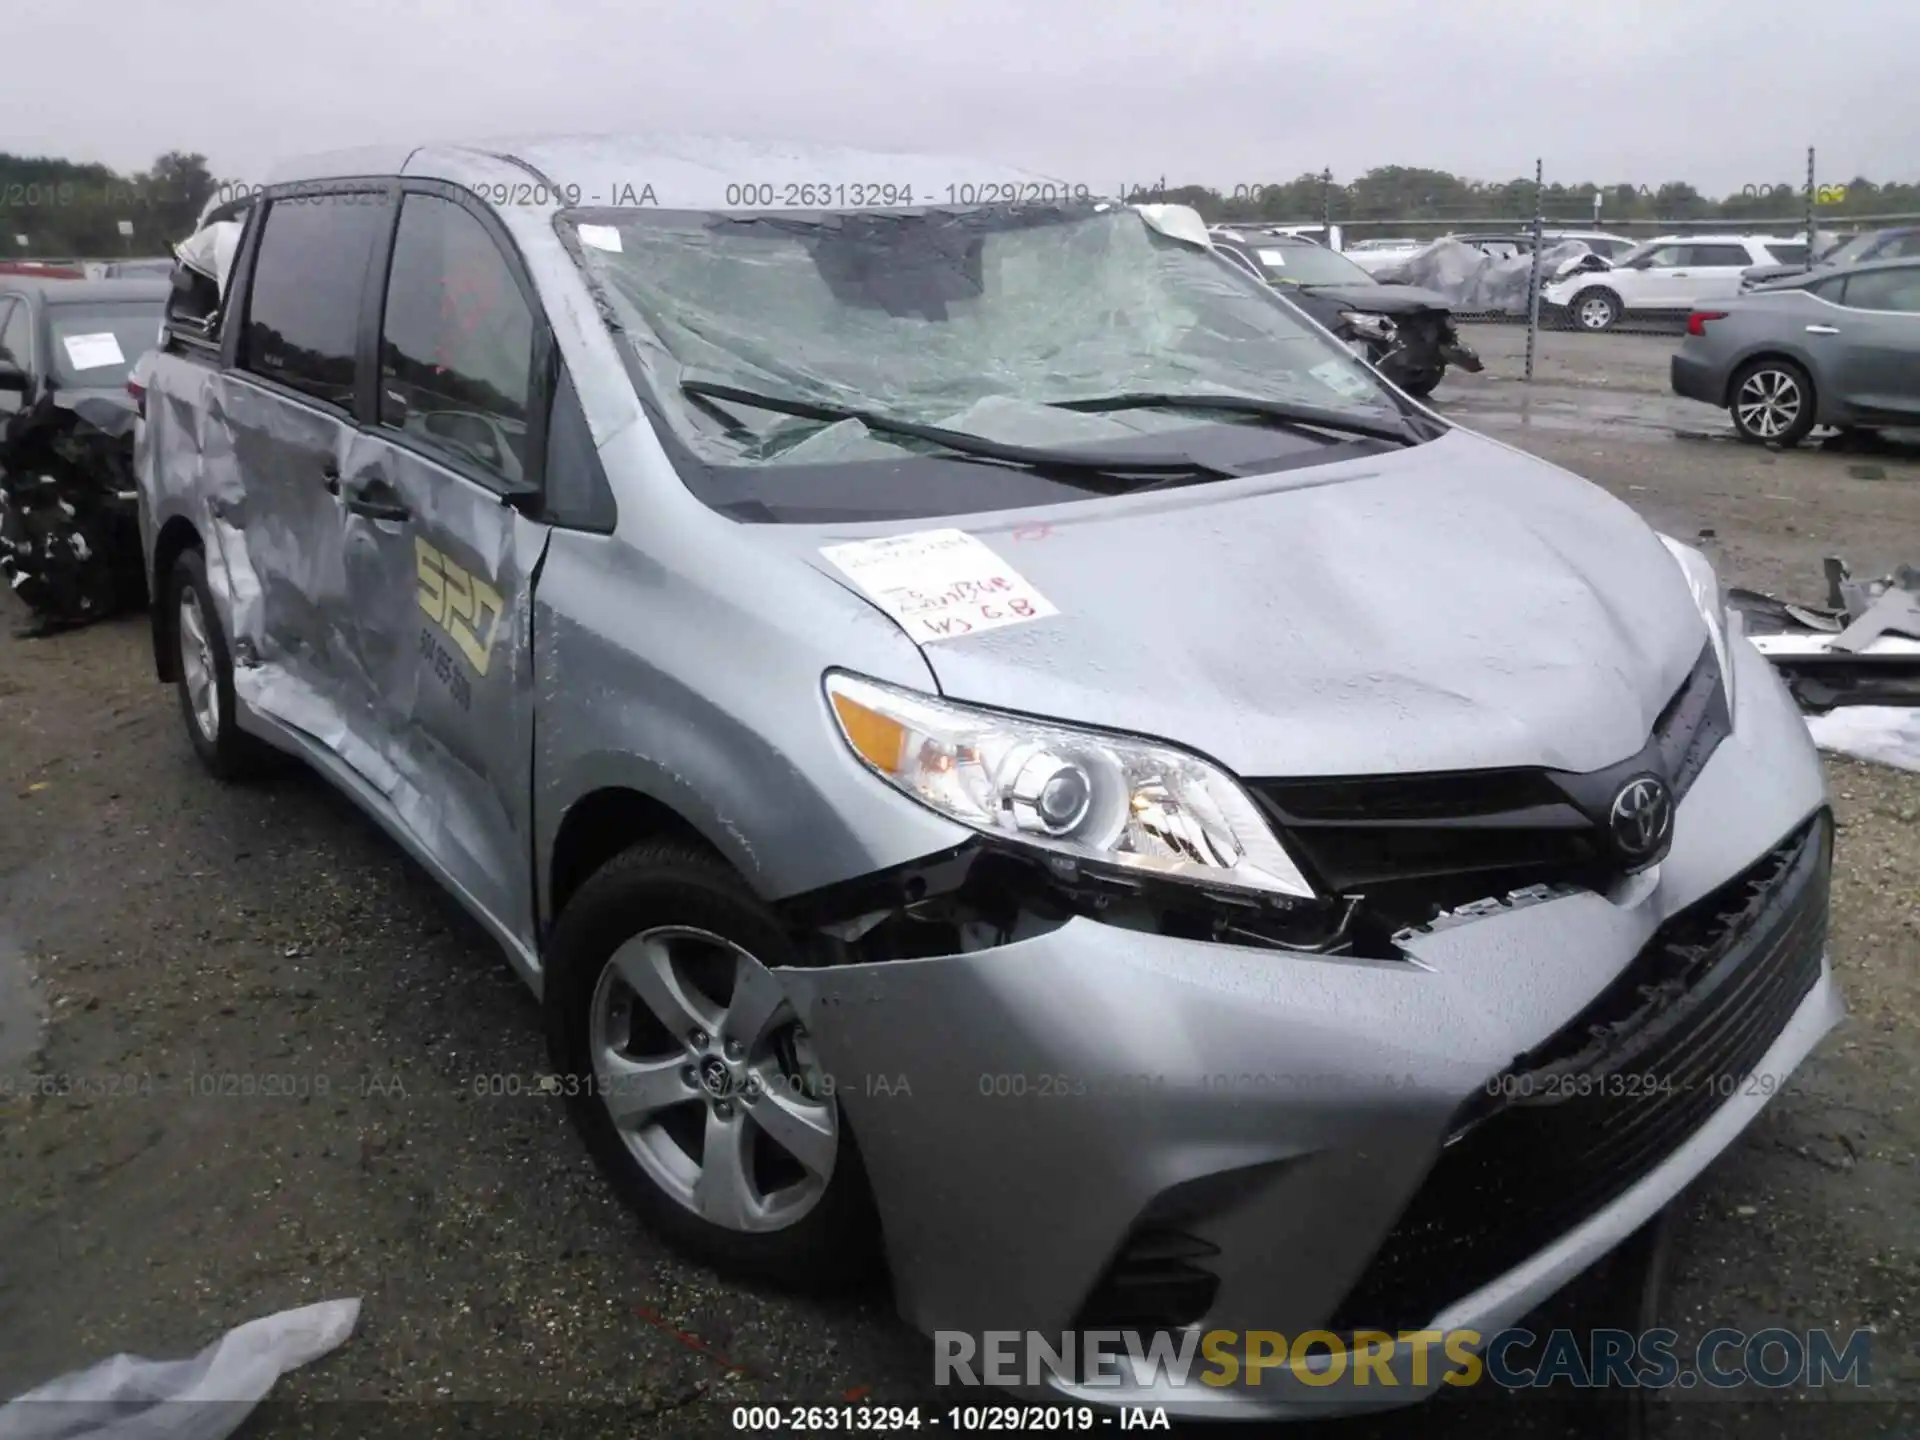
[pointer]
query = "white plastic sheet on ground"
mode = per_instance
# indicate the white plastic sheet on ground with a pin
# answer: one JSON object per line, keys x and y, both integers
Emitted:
{"x": 1889, "y": 734}
{"x": 205, "y": 1398}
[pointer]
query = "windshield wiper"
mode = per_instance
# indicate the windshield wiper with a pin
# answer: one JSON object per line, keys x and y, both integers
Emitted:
{"x": 1083, "y": 462}
{"x": 1316, "y": 417}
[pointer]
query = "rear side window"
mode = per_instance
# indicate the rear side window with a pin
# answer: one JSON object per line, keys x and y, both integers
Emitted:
{"x": 1720, "y": 255}
{"x": 303, "y": 313}
{"x": 456, "y": 342}
{"x": 1897, "y": 289}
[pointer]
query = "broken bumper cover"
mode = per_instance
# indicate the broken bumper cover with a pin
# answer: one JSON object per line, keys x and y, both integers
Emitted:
{"x": 1097, "y": 1128}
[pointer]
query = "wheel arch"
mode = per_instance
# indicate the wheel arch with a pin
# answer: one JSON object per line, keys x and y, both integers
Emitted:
{"x": 597, "y": 825}
{"x": 1760, "y": 355}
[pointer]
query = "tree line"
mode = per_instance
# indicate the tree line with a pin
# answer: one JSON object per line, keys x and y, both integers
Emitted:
{"x": 65, "y": 209}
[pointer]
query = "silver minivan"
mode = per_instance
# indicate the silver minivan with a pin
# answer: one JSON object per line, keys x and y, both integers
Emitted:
{"x": 1007, "y": 752}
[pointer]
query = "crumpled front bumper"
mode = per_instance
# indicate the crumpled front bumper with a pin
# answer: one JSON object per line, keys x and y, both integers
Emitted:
{"x": 1023, "y": 1110}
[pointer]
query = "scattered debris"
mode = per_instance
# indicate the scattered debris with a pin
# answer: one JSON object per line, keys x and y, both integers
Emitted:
{"x": 205, "y": 1398}
{"x": 1853, "y": 666}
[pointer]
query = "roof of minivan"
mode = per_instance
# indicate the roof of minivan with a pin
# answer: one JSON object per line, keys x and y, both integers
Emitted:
{"x": 693, "y": 172}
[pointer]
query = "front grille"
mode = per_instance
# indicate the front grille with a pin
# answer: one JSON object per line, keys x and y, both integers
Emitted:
{"x": 1415, "y": 845}
{"x": 1573, "y": 1124}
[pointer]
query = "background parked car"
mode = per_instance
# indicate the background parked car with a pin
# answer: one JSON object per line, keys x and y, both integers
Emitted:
{"x": 1897, "y": 244}
{"x": 1835, "y": 347}
{"x": 69, "y": 535}
{"x": 1668, "y": 275}
{"x": 1405, "y": 331}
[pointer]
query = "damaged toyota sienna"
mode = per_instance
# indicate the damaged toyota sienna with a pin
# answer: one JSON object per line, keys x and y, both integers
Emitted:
{"x": 1012, "y": 760}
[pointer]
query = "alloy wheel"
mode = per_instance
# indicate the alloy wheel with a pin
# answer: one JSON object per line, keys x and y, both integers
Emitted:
{"x": 1768, "y": 404}
{"x": 710, "y": 1080}
{"x": 1596, "y": 312}
{"x": 197, "y": 667}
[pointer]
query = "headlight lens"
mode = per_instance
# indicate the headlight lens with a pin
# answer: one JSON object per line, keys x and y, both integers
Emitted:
{"x": 1374, "y": 327}
{"x": 1068, "y": 791}
{"x": 1710, "y": 598}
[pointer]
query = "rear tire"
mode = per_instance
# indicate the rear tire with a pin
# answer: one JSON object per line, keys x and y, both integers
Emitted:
{"x": 1772, "y": 403}
{"x": 637, "y": 1023}
{"x": 1595, "y": 309}
{"x": 204, "y": 667}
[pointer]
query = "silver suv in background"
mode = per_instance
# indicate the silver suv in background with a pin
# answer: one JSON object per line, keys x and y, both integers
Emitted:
{"x": 1004, "y": 751}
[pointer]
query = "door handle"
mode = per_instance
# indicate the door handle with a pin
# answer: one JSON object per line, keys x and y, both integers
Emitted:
{"x": 1681, "y": 275}
{"x": 377, "y": 500}
{"x": 1823, "y": 329}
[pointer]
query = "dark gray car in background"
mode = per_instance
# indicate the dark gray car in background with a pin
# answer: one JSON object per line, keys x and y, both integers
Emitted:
{"x": 1836, "y": 347}
{"x": 1897, "y": 244}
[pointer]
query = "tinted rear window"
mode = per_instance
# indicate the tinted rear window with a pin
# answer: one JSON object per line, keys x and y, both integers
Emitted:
{"x": 303, "y": 314}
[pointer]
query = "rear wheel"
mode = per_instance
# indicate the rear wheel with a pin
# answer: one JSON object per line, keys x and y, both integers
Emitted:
{"x": 1772, "y": 403}
{"x": 1596, "y": 309}
{"x": 691, "y": 1077}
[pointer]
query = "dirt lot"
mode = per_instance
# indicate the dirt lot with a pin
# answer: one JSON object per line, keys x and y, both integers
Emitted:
{"x": 158, "y": 927}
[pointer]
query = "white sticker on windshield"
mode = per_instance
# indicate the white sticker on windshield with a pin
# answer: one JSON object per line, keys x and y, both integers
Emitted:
{"x": 1343, "y": 377}
{"x": 939, "y": 584}
{"x": 601, "y": 237}
{"x": 93, "y": 352}
{"x": 1274, "y": 257}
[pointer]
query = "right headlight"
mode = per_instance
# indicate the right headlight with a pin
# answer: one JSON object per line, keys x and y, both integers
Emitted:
{"x": 1710, "y": 599}
{"x": 1064, "y": 790}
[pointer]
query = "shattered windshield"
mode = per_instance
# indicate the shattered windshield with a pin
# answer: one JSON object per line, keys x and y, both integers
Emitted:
{"x": 974, "y": 320}
{"x": 94, "y": 346}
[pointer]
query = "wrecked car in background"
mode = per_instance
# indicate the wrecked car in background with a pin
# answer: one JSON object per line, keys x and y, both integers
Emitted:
{"x": 1405, "y": 331}
{"x": 980, "y": 655}
{"x": 1479, "y": 279}
{"x": 69, "y": 538}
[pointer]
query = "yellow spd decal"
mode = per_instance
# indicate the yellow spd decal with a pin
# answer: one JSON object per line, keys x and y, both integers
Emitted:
{"x": 465, "y": 608}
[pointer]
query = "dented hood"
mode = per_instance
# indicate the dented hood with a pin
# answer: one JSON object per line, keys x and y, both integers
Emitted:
{"x": 1457, "y": 605}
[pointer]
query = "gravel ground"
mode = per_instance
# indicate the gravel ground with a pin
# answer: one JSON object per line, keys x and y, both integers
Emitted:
{"x": 158, "y": 927}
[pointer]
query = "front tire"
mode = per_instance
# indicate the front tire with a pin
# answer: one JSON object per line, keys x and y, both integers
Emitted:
{"x": 691, "y": 1078}
{"x": 1595, "y": 309}
{"x": 204, "y": 667}
{"x": 1422, "y": 385}
{"x": 1772, "y": 404}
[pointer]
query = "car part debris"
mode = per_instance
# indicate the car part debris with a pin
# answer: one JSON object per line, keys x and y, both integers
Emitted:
{"x": 1859, "y": 655}
{"x": 205, "y": 1398}
{"x": 69, "y": 527}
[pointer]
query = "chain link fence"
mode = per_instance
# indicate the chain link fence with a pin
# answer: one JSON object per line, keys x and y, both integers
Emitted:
{"x": 1549, "y": 256}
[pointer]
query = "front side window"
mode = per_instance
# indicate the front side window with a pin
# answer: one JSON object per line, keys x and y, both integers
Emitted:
{"x": 1785, "y": 252}
{"x": 303, "y": 313}
{"x": 456, "y": 340}
{"x": 1667, "y": 257}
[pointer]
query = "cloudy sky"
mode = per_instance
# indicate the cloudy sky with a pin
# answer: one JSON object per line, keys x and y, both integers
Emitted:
{"x": 1223, "y": 92}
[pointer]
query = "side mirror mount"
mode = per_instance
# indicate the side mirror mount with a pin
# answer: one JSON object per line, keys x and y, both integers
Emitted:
{"x": 13, "y": 378}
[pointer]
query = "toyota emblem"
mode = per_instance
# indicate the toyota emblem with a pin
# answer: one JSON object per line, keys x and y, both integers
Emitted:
{"x": 714, "y": 1077}
{"x": 1641, "y": 817}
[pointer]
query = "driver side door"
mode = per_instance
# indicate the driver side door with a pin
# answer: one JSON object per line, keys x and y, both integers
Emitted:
{"x": 1655, "y": 281}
